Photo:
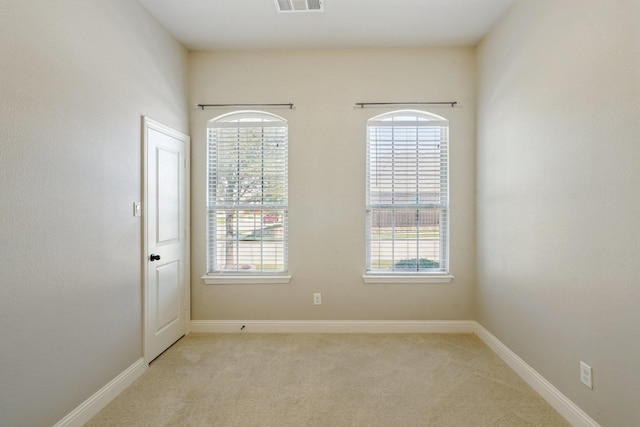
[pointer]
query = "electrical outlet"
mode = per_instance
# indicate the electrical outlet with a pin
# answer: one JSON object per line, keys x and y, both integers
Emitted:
{"x": 585, "y": 375}
{"x": 317, "y": 298}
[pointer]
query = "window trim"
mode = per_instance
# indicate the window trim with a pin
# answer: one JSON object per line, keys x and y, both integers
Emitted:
{"x": 422, "y": 119}
{"x": 388, "y": 278}
{"x": 238, "y": 119}
{"x": 243, "y": 279}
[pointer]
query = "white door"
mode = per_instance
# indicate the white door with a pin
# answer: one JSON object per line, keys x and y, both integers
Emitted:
{"x": 166, "y": 287}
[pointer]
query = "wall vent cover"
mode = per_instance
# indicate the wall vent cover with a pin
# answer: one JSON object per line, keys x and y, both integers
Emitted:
{"x": 286, "y": 6}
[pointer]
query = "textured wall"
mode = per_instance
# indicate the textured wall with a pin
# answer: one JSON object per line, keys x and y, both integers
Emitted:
{"x": 76, "y": 78}
{"x": 327, "y": 177}
{"x": 558, "y": 201}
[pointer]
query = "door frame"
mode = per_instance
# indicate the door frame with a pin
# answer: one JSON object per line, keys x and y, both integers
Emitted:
{"x": 147, "y": 124}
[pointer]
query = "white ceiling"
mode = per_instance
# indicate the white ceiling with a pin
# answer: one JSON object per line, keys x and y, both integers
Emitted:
{"x": 255, "y": 24}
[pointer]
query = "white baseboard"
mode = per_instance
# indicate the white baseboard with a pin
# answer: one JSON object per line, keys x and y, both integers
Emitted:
{"x": 334, "y": 326}
{"x": 569, "y": 410}
{"x": 102, "y": 397}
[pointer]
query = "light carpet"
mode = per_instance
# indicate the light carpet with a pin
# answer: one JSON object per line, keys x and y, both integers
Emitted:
{"x": 329, "y": 380}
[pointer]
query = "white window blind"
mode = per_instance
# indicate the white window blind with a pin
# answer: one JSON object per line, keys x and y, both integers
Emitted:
{"x": 247, "y": 193}
{"x": 407, "y": 193}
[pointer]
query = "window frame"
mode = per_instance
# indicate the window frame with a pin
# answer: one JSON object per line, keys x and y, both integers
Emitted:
{"x": 217, "y": 274}
{"x": 396, "y": 120}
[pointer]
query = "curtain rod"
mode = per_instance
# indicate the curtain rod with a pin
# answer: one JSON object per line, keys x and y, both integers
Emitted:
{"x": 379, "y": 104}
{"x": 291, "y": 105}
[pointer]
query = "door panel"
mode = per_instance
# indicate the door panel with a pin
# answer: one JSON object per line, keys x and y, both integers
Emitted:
{"x": 168, "y": 200}
{"x": 168, "y": 290}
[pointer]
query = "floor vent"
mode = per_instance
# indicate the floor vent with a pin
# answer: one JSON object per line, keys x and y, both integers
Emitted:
{"x": 285, "y": 6}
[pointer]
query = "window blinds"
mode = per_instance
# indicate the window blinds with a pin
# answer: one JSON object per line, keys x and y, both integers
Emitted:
{"x": 247, "y": 198}
{"x": 407, "y": 193}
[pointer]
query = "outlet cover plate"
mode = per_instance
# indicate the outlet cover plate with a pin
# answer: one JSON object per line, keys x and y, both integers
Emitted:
{"x": 586, "y": 375}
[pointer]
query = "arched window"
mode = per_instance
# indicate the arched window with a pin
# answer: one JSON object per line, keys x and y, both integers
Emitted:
{"x": 247, "y": 193}
{"x": 407, "y": 193}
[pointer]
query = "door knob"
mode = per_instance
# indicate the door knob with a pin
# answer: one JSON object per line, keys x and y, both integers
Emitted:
{"x": 154, "y": 257}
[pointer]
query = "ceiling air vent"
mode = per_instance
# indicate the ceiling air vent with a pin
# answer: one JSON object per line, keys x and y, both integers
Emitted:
{"x": 285, "y": 6}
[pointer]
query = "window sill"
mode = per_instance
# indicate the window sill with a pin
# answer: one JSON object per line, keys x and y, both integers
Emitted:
{"x": 393, "y": 279}
{"x": 231, "y": 279}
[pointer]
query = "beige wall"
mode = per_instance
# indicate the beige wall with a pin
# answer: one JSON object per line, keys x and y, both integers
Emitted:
{"x": 557, "y": 198}
{"x": 76, "y": 76}
{"x": 558, "y": 201}
{"x": 327, "y": 177}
